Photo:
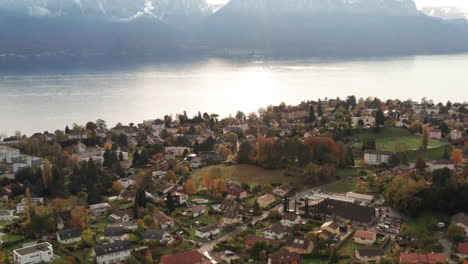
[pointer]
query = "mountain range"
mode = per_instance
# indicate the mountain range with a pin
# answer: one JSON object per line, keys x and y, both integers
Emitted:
{"x": 274, "y": 27}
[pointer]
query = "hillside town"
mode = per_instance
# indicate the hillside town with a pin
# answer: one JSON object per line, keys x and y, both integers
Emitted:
{"x": 327, "y": 181}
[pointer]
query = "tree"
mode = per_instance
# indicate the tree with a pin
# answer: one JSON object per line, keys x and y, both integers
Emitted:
{"x": 306, "y": 208}
{"x": 312, "y": 117}
{"x": 117, "y": 187}
{"x": 170, "y": 202}
{"x": 456, "y": 233}
{"x": 58, "y": 187}
{"x": 190, "y": 187}
{"x": 245, "y": 153}
{"x": 420, "y": 163}
{"x": 220, "y": 186}
{"x": 47, "y": 173}
{"x": 286, "y": 204}
{"x": 393, "y": 161}
{"x": 149, "y": 257}
{"x": 319, "y": 109}
{"x": 379, "y": 118}
{"x": 440, "y": 177}
{"x": 425, "y": 139}
{"x": 79, "y": 217}
{"x": 457, "y": 157}
{"x": 87, "y": 237}
{"x": 170, "y": 176}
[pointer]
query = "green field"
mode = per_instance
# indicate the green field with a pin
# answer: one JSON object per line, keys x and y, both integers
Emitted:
{"x": 385, "y": 132}
{"x": 253, "y": 174}
{"x": 430, "y": 154}
{"x": 403, "y": 143}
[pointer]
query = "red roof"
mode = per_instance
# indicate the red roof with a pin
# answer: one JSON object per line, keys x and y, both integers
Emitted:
{"x": 414, "y": 258}
{"x": 189, "y": 257}
{"x": 365, "y": 234}
{"x": 434, "y": 258}
{"x": 463, "y": 248}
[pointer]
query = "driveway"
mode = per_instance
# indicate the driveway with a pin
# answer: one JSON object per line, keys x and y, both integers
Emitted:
{"x": 447, "y": 244}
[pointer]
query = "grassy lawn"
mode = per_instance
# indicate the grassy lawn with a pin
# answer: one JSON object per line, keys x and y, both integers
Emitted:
{"x": 430, "y": 154}
{"x": 423, "y": 225}
{"x": 402, "y": 143}
{"x": 6, "y": 223}
{"x": 253, "y": 174}
{"x": 314, "y": 261}
{"x": 11, "y": 238}
{"x": 349, "y": 247}
{"x": 343, "y": 186}
{"x": 383, "y": 133}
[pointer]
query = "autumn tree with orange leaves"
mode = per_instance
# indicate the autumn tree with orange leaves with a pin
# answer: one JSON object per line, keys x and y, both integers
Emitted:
{"x": 79, "y": 217}
{"x": 457, "y": 157}
{"x": 190, "y": 187}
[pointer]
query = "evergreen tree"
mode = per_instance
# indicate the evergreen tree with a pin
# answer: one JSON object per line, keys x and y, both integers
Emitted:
{"x": 319, "y": 109}
{"x": 379, "y": 118}
{"x": 170, "y": 202}
{"x": 312, "y": 117}
{"x": 244, "y": 153}
{"x": 349, "y": 158}
{"x": 121, "y": 157}
{"x": 425, "y": 139}
{"x": 286, "y": 204}
{"x": 76, "y": 181}
{"x": 58, "y": 187}
{"x": 306, "y": 208}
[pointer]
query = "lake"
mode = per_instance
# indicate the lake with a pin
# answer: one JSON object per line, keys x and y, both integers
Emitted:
{"x": 39, "y": 99}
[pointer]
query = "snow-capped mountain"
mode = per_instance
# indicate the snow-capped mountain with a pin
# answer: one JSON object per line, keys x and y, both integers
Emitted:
{"x": 449, "y": 12}
{"x": 169, "y": 11}
{"x": 375, "y": 7}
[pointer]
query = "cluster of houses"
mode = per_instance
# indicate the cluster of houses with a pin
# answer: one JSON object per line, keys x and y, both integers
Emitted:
{"x": 13, "y": 161}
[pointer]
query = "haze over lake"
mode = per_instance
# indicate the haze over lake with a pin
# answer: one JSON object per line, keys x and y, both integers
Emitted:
{"x": 35, "y": 101}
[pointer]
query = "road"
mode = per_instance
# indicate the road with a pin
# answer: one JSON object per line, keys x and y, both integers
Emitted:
{"x": 447, "y": 244}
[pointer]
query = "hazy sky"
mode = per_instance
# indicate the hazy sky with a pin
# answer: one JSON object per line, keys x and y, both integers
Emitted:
{"x": 458, "y": 3}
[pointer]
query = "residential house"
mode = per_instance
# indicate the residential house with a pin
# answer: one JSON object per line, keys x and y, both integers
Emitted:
{"x": 99, "y": 209}
{"x": 7, "y": 215}
{"x": 164, "y": 221}
{"x": 69, "y": 236}
{"x": 232, "y": 217}
{"x": 236, "y": 193}
{"x": 39, "y": 253}
{"x": 22, "y": 207}
{"x": 126, "y": 182}
{"x": 175, "y": 152}
{"x": 157, "y": 234}
{"x": 109, "y": 253}
{"x": 290, "y": 219}
{"x": 265, "y": 200}
{"x": 208, "y": 231}
{"x": 79, "y": 135}
{"x": 462, "y": 251}
{"x": 377, "y": 157}
{"x": 440, "y": 164}
{"x": 283, "y": 190}
{"x": 435, "y": 134}
{"x": 368, "y": 255}
{"x": 285, "y": 258}
{"x": 363, "y": 121}
{"x": 228, "y": 206}
{"x": 276, "y": 231}
{"x": 159, "y": 174}
{"x": 7, "y": 154}
{"x": 189, "y": 257}
{"x": 329, "y": 230}
{"x": 119, "y": 216}
{"x": 196, "y": 210}
{"x": 415, "y": 258}
{"x": 299, "y": 244}
{"x": 461, "y": 219}
{"x": 179, "y": 198}
{"x": 456, "y": 135}
{"x": 364, "y": 237}
{"x": 127, "y": 196}
{"x": 128, "y": 226}
{"x": 113, "y": 234}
